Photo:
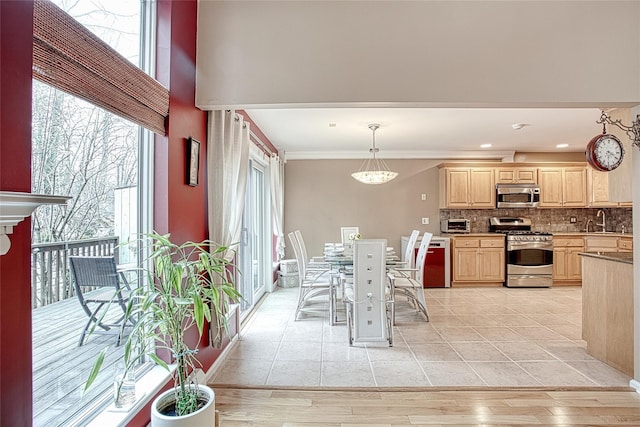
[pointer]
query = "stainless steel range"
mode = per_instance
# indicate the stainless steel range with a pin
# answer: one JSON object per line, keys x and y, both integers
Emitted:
{"x": 529, "y": 253}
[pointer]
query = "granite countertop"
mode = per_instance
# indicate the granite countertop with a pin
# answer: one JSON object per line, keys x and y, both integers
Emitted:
{"x": 487, "y": 234}
{"x": 591, "y": 233}
{"x": 624, "y": 257}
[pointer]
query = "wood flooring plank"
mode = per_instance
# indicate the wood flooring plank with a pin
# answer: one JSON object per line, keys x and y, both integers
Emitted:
{"x": 335, "y": 408}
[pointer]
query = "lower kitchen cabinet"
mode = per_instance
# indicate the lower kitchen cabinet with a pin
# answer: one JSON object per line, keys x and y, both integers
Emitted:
{"x": 478, "y": 260}
{"x": 625, "y": 244}
{"x": 567, "y": 265}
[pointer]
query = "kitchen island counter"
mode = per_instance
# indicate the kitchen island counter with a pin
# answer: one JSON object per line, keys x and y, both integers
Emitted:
{"x": 624, "y": 257}
{"x": 607, "y": 307}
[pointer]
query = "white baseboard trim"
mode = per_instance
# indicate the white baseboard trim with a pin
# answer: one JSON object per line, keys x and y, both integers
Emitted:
{"x": 213, "y": 370}
{"x": 635, "y": 385}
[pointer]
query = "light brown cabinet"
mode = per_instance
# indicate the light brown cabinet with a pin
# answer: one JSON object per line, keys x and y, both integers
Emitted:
{"x": 607, "y": 311}
{"x": 516, "y": 175}
{"x": 567, "y": 265}
{"x": 598, "y": 190}
{"x": 467, "y": 188}
{"x": 563, "y": 187}
{"x": 625, "y": 244}
{"x": 478, "y": 260}
{"x": 602, "y": 243}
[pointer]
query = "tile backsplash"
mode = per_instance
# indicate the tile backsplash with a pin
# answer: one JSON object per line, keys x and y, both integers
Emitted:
{"x": 548, "y": 220}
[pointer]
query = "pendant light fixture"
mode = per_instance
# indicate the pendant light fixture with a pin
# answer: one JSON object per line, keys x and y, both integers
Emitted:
{"x": 374, "y": 170}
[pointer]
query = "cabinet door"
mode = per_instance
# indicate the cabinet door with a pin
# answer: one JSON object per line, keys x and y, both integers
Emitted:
{"x": 575, "y": 187}
{"x": 482, "y": 192}
{"x": 598, "y": 189}
{"x": 560, "y": 264}
{"x": 506, "y": 175}
{"x": 457, "y": 188}
{"x": 465, "y": 261}
{"x": 492, "y": 264}
{"x": 527, "y": 175}
{"x": 550, "y": 182}
{"x": 516, "y": 175}
{"x": 574, "y": 264}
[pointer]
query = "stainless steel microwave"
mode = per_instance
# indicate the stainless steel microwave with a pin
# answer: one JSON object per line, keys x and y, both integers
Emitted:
{"x": 517, "y": 195}
{"x": 455, "y": 225}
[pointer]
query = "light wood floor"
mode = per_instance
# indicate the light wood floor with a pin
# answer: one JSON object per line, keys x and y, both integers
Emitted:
{"x": 340, "y": 408}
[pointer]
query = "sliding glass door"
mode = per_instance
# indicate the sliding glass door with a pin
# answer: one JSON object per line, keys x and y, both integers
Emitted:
{"x": 255, "y": 256}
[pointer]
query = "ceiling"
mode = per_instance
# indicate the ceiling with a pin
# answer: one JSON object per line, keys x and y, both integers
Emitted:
{"x": 436, "y": 133}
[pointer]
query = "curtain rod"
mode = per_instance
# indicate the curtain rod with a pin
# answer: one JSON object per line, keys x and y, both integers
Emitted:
{"x": 256, "y": 139}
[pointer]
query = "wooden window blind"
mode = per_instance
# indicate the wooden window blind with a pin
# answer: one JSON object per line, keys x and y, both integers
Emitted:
{"x": 69, "y": 57}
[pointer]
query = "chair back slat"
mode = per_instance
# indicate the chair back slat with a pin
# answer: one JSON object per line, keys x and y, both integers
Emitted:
{"x": 94, "y": 272}
{"x": 407, "y": 258}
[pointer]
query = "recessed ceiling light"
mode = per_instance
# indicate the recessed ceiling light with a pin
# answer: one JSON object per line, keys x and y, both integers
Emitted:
{"x": 562, "y": 145}
{"x": 485, "y": 145}
{"x": 518, "y": 126}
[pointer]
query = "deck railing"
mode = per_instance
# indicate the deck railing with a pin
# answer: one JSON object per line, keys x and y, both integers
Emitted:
{"x": 50, "y": 281}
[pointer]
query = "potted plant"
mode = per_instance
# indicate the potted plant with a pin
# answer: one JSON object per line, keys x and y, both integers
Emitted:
{"x": 189, "y": 284}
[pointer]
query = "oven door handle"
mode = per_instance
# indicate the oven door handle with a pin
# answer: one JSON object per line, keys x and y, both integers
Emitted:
{"x": 529, "y": 245}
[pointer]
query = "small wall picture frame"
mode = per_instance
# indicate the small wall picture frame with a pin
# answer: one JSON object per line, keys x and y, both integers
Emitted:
{"x": 193, "y": 161}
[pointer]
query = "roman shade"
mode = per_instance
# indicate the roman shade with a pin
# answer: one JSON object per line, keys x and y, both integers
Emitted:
{"x": 69, "y": 57}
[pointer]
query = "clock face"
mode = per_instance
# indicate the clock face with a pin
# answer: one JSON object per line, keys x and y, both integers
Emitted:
{"x": 605, "y": 152}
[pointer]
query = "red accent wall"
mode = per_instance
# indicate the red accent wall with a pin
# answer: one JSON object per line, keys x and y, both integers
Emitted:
{"x": 16, "y": 41}
{"x": 179, "y": 209}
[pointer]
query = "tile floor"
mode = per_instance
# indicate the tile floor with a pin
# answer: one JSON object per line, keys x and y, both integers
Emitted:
{"x": 475, "y": 337}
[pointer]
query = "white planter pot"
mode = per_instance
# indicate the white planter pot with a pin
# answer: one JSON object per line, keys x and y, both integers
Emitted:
{"x": 203, "y": 417}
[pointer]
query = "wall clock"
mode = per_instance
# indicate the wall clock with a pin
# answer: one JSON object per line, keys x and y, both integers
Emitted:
{"x": 604, "y": 152}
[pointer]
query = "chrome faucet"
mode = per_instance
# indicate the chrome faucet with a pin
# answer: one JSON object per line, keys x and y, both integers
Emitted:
{"x": 586, "y": 227}
{"x": 604, "y": 221}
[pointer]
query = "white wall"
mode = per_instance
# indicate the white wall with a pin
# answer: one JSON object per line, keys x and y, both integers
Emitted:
{"x": 426, "y": 53}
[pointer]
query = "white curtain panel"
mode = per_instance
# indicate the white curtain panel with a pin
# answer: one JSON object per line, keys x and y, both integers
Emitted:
{"x": 228, "y": 164}
{"x": 276, "y": 174}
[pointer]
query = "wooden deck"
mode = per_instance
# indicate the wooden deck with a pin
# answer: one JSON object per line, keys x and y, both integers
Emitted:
{"x": 61, "y": 368}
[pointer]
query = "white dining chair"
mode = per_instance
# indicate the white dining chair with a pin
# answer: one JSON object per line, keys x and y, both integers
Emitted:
{"x": 368, "y": 300}
{"x": 406, "y": 267}
{"x": 346, "y": 232}
{"x": 410, "y": 280}
{"x": 312, "y": 281}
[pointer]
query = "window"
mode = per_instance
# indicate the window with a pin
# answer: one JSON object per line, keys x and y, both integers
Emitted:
{"x": 104, "y": 162}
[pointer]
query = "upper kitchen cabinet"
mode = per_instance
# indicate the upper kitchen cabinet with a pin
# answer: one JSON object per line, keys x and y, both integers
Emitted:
{"x": 563, "y": 187}
{"x": 598, "y": 190}
{"x": 465, "y": 187}
{"x": 516, "y": 175}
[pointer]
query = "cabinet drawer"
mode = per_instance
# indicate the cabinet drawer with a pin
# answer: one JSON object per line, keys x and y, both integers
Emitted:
{"x": 625, "y": 244}
{"x": 492, "y": 243}
{"x": 601, "y": 243}
{"x": 562, "y": 242}
{"x": 466, "y": 243}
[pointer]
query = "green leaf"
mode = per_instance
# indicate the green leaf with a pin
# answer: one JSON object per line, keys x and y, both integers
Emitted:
{"x": 96, "y": 369}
